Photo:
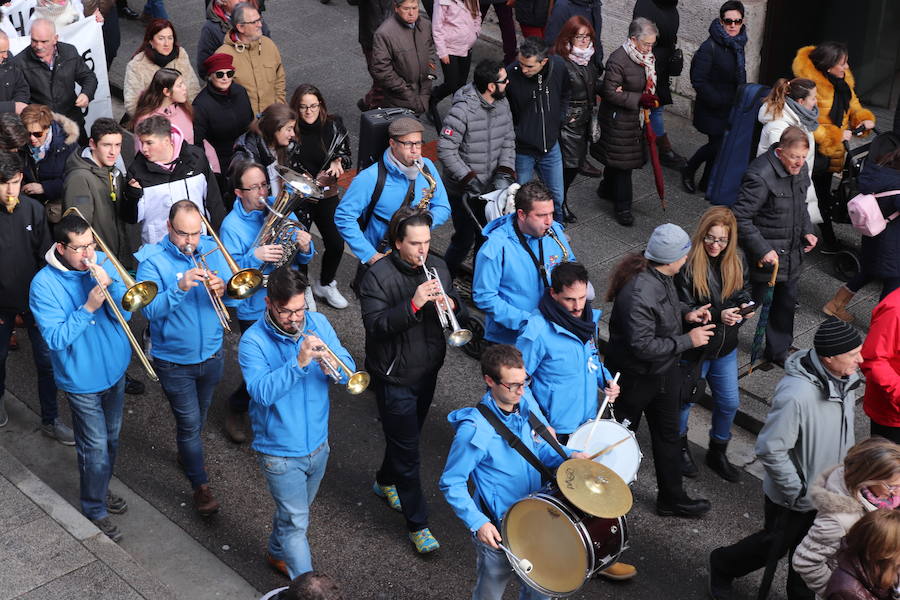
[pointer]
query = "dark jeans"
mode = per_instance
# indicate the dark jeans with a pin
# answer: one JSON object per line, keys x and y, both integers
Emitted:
{"x": 616, "y": 185}
{"x": 465, "y": 234}
{"x": 322, "y": 213}
{"x": 780, "y": 328}
{"x": 569, "y": 175}
{"x": 707, "y": 154}
{"x": 507, "y": 23}
{"x": 890, "y": 433}
{"x": 403, "y": 410}
{"x": 239, "y": 400}
{"x": 41, "y": 356}
{"x": 455, "y": 76}
{"x": 782, "y": 532}
{"x": 821, "y": 180}
{"x": 888, "y": 284}
{"x": 657, "y": 398}
{"x": 189, "y": 389}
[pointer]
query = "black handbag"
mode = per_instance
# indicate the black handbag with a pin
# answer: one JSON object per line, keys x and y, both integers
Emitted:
{"x": 676, "y": 63}
{"x": 693, "y": 386}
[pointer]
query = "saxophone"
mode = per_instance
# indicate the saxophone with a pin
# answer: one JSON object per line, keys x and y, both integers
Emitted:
{"x": 555, "y": 238}
{"x": 428, "y": 192}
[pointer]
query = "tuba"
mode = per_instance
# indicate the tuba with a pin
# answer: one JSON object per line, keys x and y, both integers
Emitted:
{"x": 279, "y": 228}
{"x": 428, "y": 192}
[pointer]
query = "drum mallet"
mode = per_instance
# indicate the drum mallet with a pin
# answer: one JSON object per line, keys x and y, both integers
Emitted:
{"x": 522, "y": 563}
{"x": 600, "y": 413}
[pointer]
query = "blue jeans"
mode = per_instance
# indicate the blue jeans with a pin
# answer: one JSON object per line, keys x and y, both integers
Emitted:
{"x": 41, "y": 355}
{"x": 156, "y": 9}
{"x": 493, "y": 572}
{"x": 550, "y": 168}
{"x": 722, "y": 376}
{"x": 656, "y": 121}
{"x": 96, "y": 421}
{"x": 293, "y": 483}
{"x": 189, "y": 389}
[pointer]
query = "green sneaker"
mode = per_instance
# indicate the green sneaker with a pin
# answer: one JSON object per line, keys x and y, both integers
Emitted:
{"x": 389, "y": 493}
{"x": 423, "y": 541}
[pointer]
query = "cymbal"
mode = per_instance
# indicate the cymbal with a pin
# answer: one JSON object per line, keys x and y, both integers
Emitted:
{"x": 594, "y": 488}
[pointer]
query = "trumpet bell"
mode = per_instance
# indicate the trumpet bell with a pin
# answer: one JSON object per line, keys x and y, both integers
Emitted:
{"x": 244, "y": 284}
{"x": 139, "y": 295}
{"x": 460, "y": 337}
{"x": 358, "y": 382}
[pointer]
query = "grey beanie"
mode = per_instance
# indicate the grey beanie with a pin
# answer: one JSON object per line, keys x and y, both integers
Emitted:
{"x": 668, "y": 243}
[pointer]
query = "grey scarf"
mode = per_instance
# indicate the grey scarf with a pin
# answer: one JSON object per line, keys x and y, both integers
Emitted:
{"x": 411, "y": 172}
{"x": 809, "y": 118}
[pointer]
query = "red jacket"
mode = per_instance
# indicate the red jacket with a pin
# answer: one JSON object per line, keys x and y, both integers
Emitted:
{"x": 881, "y": 363}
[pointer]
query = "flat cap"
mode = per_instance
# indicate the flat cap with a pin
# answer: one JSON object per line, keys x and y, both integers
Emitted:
{"x": 405, "y": 126}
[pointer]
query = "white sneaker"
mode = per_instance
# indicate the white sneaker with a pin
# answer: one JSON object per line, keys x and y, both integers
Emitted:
{"x": 310, "y": 300}
{"x": 331, "y": 294}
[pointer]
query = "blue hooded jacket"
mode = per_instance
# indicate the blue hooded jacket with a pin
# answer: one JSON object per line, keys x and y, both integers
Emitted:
{"x": 565, "y": 373}
{"x": 355, "y": 202}
{"x": 184, "y": 328}
{"x": 89, "y": 351}
{"x": 506, "y": 285}
{"x": 238, "y": 232}
{"x": 288, "y": 405}
{"x": 500, "y": 474}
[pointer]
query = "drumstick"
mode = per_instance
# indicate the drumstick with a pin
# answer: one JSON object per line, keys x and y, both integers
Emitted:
{"x": 608, "y": 448}
{"x": 587, "y": 444}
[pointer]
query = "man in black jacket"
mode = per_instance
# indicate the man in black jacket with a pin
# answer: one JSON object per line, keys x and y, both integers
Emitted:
{"x": 538, "y": 94}
{"x": 405, "y": 348}
{"x": 52, "y": 68}
{"x": 14, "y": 91}
{"x": 775, "y": 231}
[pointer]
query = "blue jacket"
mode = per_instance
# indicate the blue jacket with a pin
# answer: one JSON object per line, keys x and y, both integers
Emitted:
{"x": 565, "y": 373}
{"x": 184, "y": 328}
{"x": 500, "y": 474}
{"x": 506, "y": 285}
{"x": 288, "y": 405}
{"x": 355, "y": 202}
{"x": 89, "y": 351}
{"x": 238, "y": 232}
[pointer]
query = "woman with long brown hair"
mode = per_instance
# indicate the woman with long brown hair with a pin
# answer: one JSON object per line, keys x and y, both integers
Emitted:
{"x": 716, "y": 274}
{"x": 267, "y": 142}
{"x": 869, "y": 563}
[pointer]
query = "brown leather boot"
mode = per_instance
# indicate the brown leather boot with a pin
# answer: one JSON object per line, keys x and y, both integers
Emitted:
{"x": 204, "y": 501}
{"x": 235, "y": 427}
{"x": 837, "y": 306}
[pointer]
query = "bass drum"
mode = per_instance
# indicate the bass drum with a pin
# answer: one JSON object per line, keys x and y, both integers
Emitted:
{"x": 564, "y": 545}
{"x": 624, "y": 459}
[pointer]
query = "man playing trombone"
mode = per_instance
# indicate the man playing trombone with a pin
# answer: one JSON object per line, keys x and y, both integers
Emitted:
{"x": 289, "y": 409}
{"x": 186, "y": 324}
{"x": 90, "y": 351}
{"x": 405, "y": 348}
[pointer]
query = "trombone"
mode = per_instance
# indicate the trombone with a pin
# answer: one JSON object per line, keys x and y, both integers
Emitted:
{"x": 356, "y": 382}
{"x": 139, "y": 294}
{"x": 200, "y": 263}
{"x": 243, "y": 283}
{"x": 459, "y": 336}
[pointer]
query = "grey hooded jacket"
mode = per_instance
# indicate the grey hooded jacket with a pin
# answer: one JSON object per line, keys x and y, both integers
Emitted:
{"x": 808, "y": 429}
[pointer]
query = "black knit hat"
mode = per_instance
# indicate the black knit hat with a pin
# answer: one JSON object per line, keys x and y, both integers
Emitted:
{"x": 835, "y": 337}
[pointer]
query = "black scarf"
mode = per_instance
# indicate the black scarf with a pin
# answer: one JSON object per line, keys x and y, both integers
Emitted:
{"x": 161, "y": 60}
{"x": 840, "y": 103}
{"x": 311, "y": 153}
{"x": 582, "y": 328}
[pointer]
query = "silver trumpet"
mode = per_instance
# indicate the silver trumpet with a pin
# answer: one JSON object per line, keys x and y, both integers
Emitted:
{"x": 356, "y": 382}
{"x": 200, "y": 263}
{"x": 458, "y": 335}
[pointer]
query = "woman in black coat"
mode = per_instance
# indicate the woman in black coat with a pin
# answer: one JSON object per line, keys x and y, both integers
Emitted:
{"x": 881, "y": 254}
{"x": 716, "y": 72}
{"x": 53, "y": 138}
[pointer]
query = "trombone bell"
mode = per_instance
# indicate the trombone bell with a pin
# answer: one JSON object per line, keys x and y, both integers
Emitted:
{"x": 243, "y": 284}
{"x": 139, "y": 295}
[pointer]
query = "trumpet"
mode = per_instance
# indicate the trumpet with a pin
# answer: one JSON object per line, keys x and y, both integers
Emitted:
{"x": 243, "y": 283}
{"x": 459, "y": 336}
{"x": 356, "y": 382}
{"x": 200, "y": 263}
{"x": 138, "y": 294}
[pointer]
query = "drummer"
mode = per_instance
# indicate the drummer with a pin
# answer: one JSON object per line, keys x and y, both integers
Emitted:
{"x": 500, "y": 474}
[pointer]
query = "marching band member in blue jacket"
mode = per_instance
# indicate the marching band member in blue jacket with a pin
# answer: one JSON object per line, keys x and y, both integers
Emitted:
{"x": 186, "y": 334}
{"x": 289, "y": 410}
{"x": 513, "y": 266}
{"x": 239, "y": 232}
{"x": 89, "y": 352}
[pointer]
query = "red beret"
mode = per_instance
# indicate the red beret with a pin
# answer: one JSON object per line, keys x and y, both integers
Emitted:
{"x": 218, "y": 62}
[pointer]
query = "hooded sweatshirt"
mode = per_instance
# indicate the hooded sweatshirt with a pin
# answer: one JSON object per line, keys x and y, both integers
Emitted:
{"x": 24, "y": 239}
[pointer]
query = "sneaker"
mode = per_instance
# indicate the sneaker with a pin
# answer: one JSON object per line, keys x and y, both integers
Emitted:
{"x": 423, "y": 541}
{"x": 59, "y": 432}
{"x": 389, "y": 493}
{"x": 310, "y": 300}
{"x": 108, "y": 528}
{"x": 619, "y": 571}
{"x": 331, "y": 294}
{"x": 4, "y": 418}
{"x": 277, "y": 564}
{"x": 204, "y": 501}
{"x": 133, "y": 387}
{"x": 115, "y": 504}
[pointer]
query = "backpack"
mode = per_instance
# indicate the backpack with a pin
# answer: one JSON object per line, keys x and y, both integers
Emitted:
{"x": 866, "y": 215}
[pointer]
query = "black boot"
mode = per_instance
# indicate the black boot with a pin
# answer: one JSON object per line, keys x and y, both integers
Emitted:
{"x": 687, "y": 181}
{"x": 688, "y": 467}
{"x": 717, "y": 460}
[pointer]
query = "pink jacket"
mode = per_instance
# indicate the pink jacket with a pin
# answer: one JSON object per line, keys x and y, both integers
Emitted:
{"x": 453, "y": 28}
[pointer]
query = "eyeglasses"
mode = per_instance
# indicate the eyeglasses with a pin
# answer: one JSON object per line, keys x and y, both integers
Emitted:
{"x": 185, "y": 234}
{"x": 37, "y": 134}
{"x": 891, "y": 489}
{"x": 82, "y": 249}
{"x": 256, "y": 187}
{"x": 306, "y": 107}
{"x": 223, "y": 74}
{"x": 409, "y": 145}
{"x": 732, "y": 21}
{"x": 515, "y": 387}
{"x": 282, "y": 312}
{"x": 254, "y": 22}
{"x": 723, "y": 241}
{"x": 581, "y": 36}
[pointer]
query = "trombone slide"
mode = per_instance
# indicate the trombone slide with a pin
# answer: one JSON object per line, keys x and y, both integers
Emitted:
{"x": 199, "y": 261}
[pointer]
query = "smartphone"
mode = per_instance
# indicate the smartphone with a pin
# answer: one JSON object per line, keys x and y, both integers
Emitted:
{"x": 747, "y": 309}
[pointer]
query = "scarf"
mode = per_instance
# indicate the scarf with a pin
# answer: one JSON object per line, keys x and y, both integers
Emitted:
{"x": 648, "y": 61}
{"x": 582, "y": 328}
{"x": 735, "y": 44}
{"x": 809, "y": 118}
{"x": 840, "y": 104}
{"x": 889, "y": 503}
{"x": 161, "y": 60}
{"x": 411, "y": 172}
{"x": 294, "y": 336}
{"x": 40, "y": 152}
{"x": 581, "y": 56}
{"x": 10, "y": 203}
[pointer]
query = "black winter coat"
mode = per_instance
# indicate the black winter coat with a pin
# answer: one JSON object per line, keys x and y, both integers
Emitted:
{"x": 533, "y": 13}
{"x": 715, "y": 80}
{"x": 24, "y": 239}
{"x": 56, "y": 89}
{"x": 14, "y": 88}
{"x": 539, "y": 105}
{"x": 584, "y": 86}
{"x": 881, "y": 254}
{"x": 621, "y": 142}
{"x": 251, "y": 147}
{"x": 771, "y": 215}
{"x": 221, "y": 119}
{"x": 563, "y": 10}
{"x": 372, "y": 14}
{"x": 51, "y": 171}
{"x": 664, "y": 13}
{"x": 402, "y": 347}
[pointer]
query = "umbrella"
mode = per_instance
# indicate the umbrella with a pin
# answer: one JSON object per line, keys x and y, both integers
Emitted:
{"x": 757, "y": 347}
{"x": 654, "y": 159}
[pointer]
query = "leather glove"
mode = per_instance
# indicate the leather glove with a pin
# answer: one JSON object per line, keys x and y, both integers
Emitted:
{"x": 473, "y": 187}
{"x": 648, "y": 100}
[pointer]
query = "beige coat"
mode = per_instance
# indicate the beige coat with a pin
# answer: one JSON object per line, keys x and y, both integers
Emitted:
{"x": 140, "y": 71}
{"x": 258, "y": 68}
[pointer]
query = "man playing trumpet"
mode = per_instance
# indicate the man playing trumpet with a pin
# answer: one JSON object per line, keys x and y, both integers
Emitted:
{"x": 405, "y": 349}
{"x": 186, "y": 333}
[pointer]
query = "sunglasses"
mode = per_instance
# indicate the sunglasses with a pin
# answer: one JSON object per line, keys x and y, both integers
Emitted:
{"x": 223, "y": 74}
{"x": 732, "y": 21}
{"x": 37, "y": 134}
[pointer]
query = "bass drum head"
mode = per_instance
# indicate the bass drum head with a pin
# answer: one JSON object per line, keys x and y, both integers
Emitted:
{"x": 624, "y": 459}
{"x": 535, "y": 529}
